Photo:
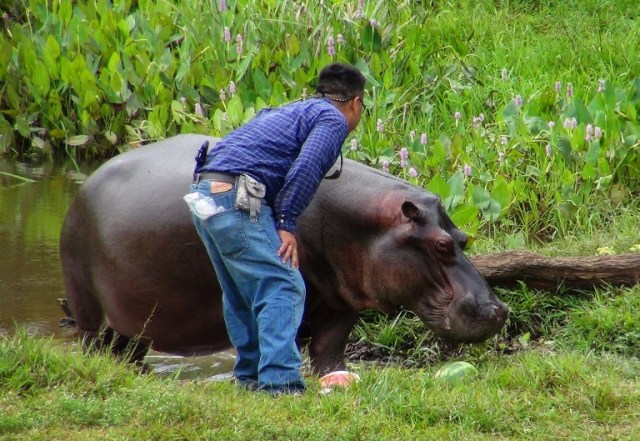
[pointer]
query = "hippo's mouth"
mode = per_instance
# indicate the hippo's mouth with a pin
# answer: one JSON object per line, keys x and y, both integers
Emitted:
{"x": 458, "y": 321}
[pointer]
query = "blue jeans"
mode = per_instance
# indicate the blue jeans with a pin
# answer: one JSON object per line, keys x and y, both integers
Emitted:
{"x": 262, "y": 298}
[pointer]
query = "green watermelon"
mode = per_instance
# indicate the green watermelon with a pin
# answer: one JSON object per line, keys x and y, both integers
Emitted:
{"x": 455, "y": 372}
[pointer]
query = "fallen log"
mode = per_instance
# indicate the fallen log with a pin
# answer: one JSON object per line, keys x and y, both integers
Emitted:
{"x": 541, "y": 272}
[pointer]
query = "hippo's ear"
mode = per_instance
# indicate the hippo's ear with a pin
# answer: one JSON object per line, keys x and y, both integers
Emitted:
{"x": 410, "y": 210}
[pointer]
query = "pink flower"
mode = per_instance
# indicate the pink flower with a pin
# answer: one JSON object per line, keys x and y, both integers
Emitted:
{"x": 597, "y": 133}
{"x": 569, "y": 90}
{"x": 404, "y": 153}
{"x": 198, "y": 109}
{"x": 340, "y": 39}
{"x": 223, "y": 95}
{"x": 570, "y": 123}
{"x": 331, "y": 50}
{"x": 360, "y": 11}
{"x": 374, "y": 23}
{"x": 412, "y": 172}
{"x": 466, "y": 170}
{"x": 558, "y": 87}
{"x": 551, "y": 124}
{"x": 232, "y": 88}
{"x": 227, "y": 35}
{"x": 385, "y": 166}
{"x": 457, "y": 115}
{"x": 223, "y": 5}
{"x": 239, "y": 43}
{"x": 589, "y": 133}
{"x": 423, "y": 139}
{"x": 547, "y": 150}
{"x": 412, "y": 135}
{"x": 518, "y": 100}
{"x": 601, "y": 86}
{"x": 504, "y": 140}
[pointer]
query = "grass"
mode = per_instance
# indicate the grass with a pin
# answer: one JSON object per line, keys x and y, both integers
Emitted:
{"x": 535, "y": 394}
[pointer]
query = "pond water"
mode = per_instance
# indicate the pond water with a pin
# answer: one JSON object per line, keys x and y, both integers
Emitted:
{"x": 33, "y": 202}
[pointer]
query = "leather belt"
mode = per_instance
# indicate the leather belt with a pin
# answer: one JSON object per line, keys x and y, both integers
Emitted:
{"x": 214, "y": 176}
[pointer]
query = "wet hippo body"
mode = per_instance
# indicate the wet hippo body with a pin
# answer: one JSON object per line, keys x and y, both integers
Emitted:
{"x": 133, "y": 264}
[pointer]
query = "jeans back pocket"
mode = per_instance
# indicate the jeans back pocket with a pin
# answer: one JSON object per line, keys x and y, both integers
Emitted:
{"x": 227, "y": 230}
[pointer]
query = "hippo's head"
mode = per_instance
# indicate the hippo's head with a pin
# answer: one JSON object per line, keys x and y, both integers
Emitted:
{"x": 420, "y": 265}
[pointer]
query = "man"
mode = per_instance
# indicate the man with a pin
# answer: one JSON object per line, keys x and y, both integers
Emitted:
{"x": 260, "y": 178}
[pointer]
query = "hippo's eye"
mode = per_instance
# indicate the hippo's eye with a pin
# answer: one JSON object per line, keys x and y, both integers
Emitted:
{"x": 444, "y": 247}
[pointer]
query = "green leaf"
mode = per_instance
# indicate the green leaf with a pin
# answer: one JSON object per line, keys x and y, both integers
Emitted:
{"x": 22, "y": 125}
{"x": 114, "y": 62}
{"x": 481, "y": 198}
{"x": 465, "y": 216}
{"x": 293, "y": 45}
{"x": 40, "y": 78}
{"x": 501, "y": 193}
{"x": 438, "y": 185}
{"x": 77, "y": 140}
{"x": 66, "y": 11}
{"x": 235, "y": 111}
{"x": 371, "y": 39}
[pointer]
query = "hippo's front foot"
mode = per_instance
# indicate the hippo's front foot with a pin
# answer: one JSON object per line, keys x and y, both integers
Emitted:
{"x": 329, "y": 336}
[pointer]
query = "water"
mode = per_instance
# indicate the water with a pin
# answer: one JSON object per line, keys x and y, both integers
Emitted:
{"x": 31, "y": 215}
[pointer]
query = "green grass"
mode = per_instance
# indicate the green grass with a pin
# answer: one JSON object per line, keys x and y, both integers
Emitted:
{"x": 536, "y": 394}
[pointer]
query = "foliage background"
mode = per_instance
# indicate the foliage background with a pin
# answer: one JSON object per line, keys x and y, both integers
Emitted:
{"x": 520, "y": 114}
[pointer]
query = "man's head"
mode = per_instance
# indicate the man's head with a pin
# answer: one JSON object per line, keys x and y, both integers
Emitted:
{"x": 343, "y": 84}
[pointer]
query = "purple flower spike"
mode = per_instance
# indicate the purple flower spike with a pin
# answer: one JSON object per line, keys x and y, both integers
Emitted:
{"x": 340, "y": 39}
{"x": 569, "y": 90}
{"x": 360, "y": 11}
{"x": 547, "y": 150}
{"x": 404, "y": 153}
{"x": 412, "y": 172}
{"x": 467, "y": 170}
{"x": 600, "y": 86}
{"x": 223, "y": 5}
{"x": 331, "y": 50}
{"x": 239, "y": 44}
{"x": 457, "y": 115}
{"x": 423, "y": 139}
{"x": 551, "y": 124}
{"x": 385, "y": 166}
{"x": 227, "y": 35}
{"x": 558, "y": 87}
{"x": 232, "y": 88}
{"x": 518, "y": 100}
{"x": 374, "y": 23}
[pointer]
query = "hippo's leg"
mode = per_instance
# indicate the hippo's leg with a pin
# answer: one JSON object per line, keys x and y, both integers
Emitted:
{"x": 330, "y": 329}
{"x": 131, "y": 349}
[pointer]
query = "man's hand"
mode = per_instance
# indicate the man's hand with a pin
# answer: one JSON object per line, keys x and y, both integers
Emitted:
{"x": 289, "y": 248}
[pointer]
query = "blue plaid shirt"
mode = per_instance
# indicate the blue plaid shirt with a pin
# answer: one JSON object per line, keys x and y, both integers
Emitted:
{"x": 289, "y": 149}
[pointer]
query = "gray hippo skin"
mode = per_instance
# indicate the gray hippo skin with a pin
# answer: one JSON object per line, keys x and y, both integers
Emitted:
{"x": 134, "y": 266}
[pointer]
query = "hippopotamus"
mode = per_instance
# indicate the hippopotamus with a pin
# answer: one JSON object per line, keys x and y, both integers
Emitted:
{"x": 135, "y": 270}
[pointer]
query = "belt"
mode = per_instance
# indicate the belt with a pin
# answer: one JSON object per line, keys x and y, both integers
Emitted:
{"x": 214, "y": 176}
